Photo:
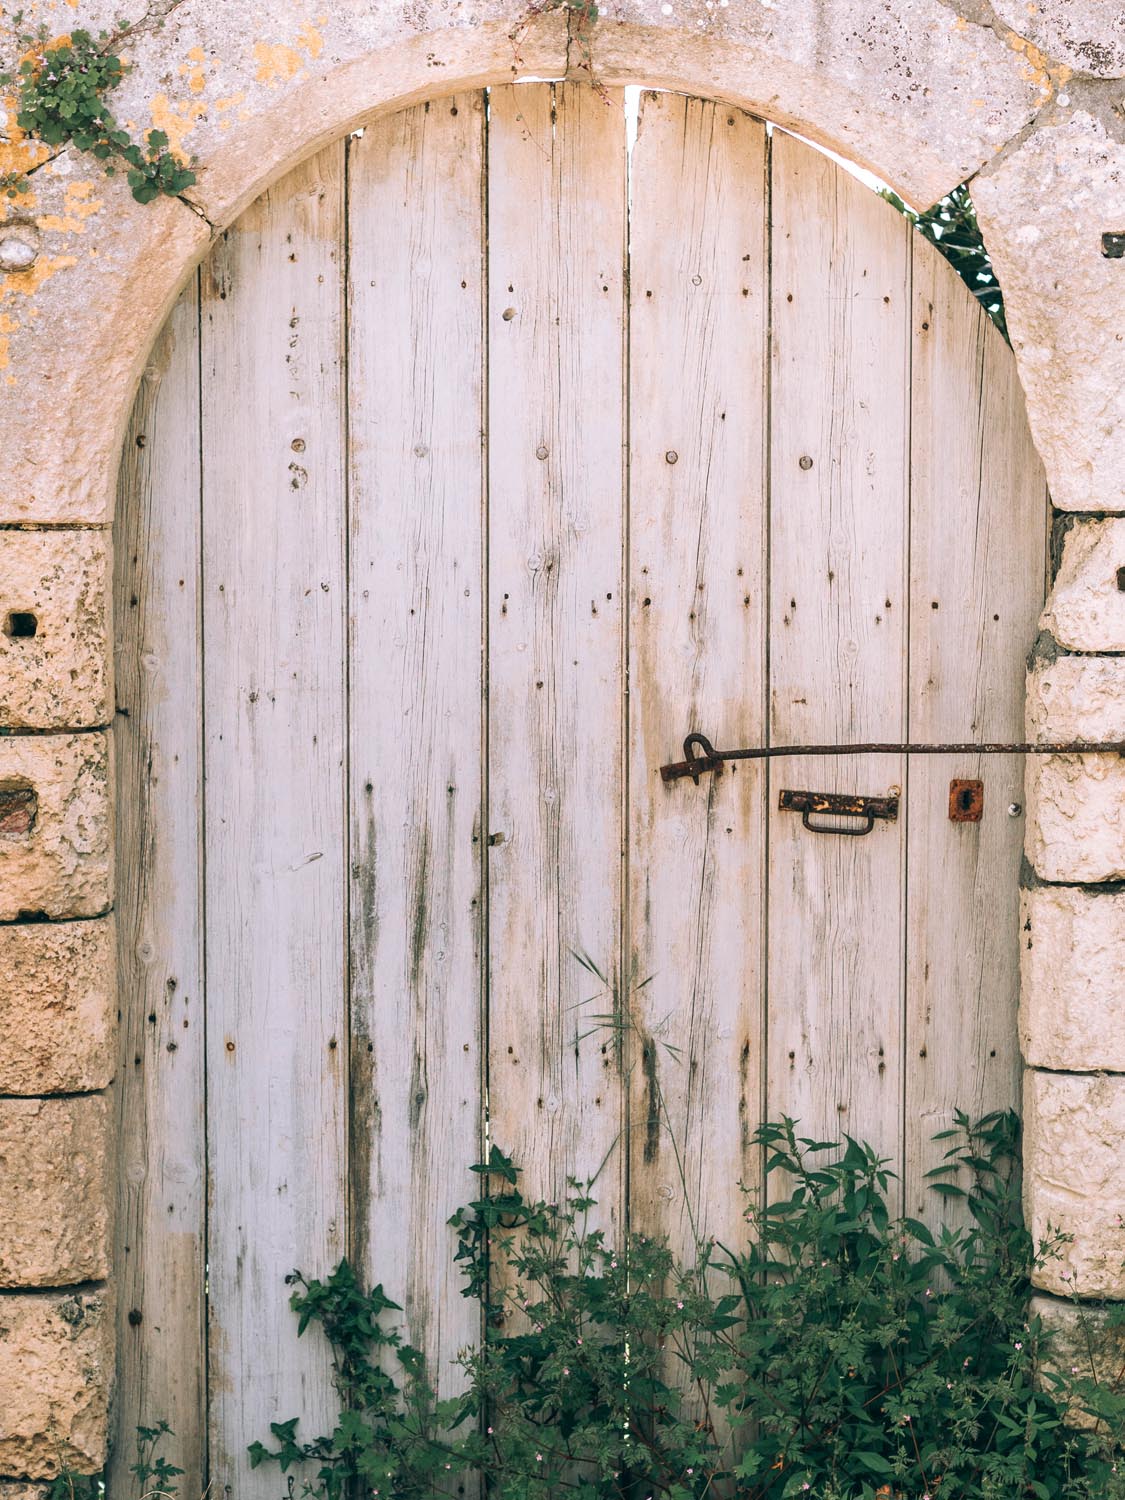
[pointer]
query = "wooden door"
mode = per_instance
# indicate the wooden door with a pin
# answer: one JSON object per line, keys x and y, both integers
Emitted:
{"x": 484, "y": 461}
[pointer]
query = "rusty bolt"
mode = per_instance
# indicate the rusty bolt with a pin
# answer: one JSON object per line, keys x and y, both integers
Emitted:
{"x": 804, "y": 462}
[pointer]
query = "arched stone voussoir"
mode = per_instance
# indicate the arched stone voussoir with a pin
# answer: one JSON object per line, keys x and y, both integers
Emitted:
{"x": 75, "y": 328}
{"x": 914, "y": 91}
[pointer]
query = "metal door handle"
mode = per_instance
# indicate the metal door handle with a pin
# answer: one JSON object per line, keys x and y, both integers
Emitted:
{"x": 837, "y": 805}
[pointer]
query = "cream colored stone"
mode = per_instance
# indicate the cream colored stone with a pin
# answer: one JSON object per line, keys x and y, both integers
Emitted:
{"x": 57, "y": 1007}
{"x": 1076, "y": 698}
{"x": 76, "y": 328}
{"x": 1087, "y": 35}
{"x": 1086, "y": 609}
{"x": 64, "y": 865}
{"x": 56, "y": 1369}
{"x": 60, "y": 677}
{"x": 1072, "y": 979}
{"x": 1081, "y": 1346}
{"x": 1076, "y": 817}
{"x": 1043, "y": 211}
{"x": 54, "y": 1190}
{"x": 1074, "y": 1179}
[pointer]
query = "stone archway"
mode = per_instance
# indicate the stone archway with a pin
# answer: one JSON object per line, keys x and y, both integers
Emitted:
{"x": 927, "y": 100}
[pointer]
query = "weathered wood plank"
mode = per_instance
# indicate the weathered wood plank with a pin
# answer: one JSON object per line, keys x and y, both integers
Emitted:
{"x": 415, "y": 411}
{"x": 160, "y": 1251}
{"x": 276, "y": 872}
{"x": 838, "y": 611}
{"x": 698, "y": 318}
{"x": 978, "y": 531}
{"x": 556, "y": 205}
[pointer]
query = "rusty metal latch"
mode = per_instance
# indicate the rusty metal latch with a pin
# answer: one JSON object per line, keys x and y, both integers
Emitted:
{"x": 838, "y": 805}
{"x": 700, "y": 755}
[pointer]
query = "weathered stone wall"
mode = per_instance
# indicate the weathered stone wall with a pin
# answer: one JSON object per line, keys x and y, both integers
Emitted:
{"x": 1025, "y": 100}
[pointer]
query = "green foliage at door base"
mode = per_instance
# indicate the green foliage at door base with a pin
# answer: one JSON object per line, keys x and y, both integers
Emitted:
{"x": 836, "y": 1353}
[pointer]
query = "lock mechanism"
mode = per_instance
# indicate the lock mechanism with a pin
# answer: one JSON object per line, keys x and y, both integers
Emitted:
{"x": 966, "y": 801}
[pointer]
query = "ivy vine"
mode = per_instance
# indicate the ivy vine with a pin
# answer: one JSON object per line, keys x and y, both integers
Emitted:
{"x": 62, "y": 84}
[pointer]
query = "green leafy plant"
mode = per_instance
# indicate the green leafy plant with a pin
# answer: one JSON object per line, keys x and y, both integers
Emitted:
{"x": 951, "y": 226}
{"x": 62, "y": 85}
{"x": 838, "y": 1353}
{"x": 155, "y": 1476}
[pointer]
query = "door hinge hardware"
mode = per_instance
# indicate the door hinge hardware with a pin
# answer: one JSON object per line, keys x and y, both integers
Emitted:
{"x": 700, "y": 755}
{"x": 838, "y": 805}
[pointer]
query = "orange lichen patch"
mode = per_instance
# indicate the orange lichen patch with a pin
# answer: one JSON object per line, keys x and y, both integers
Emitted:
{"x": 18, "y": 153}
{"x": 27, "y": 283}
{"x": 177, "y": 121}
{"x": 276, "y": 63}
{"x": 310, "y": 40}
{"x": 5, "y": 359}
{"x": 78, "y": 206}
{"x": 194, "y": 70}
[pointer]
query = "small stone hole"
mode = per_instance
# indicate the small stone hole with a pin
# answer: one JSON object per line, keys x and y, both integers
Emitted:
{"x": 1113, "y": 244}
{"x": 1121, "y": 580}
{"x": 21, "y": 624}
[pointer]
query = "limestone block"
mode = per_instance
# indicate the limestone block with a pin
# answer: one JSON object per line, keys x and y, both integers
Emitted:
{"x": 1086, "y": 609}
{"x": 1087, "y": 35}
{"x": 1076, "y": 817}
{"x": 56, "y": 1007}
{"x": 56, "y": 838}
{"x": 1043, "y": 210}
{"x": 1081, "y": 1346}
{"x": 1072, "y": 979}
{"x": 1074, "y": 1179}
{"x": 54, "y": 1190}
{"x": 55, "y": 629}
{"x": 1076, "y": 698}
{"x": 56, "y": 1368}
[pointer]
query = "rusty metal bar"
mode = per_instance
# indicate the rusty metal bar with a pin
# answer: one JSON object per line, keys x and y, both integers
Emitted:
{"x": 700, "y": 755}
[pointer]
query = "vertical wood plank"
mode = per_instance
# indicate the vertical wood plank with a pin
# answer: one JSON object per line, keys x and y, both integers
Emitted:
{"x": 159, "y": 1091}
{"x": 978, "y": 532}
{"x": 838, "y": 612}
{"x": 415, "y": 411}
{"x": 697, "y": 339}
{"x": 556, "y": 206}
{"x": 274, "y": 610}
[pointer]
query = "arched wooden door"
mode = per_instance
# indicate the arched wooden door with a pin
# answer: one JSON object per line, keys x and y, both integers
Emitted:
{"x": 484, "y": 462}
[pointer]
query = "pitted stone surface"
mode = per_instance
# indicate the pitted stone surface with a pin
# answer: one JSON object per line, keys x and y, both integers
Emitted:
{"x": 1087, "y": 35}
{"x": 1086, "y": 609}
{"x": 1043, "y": 211}
{"x": 1076, "y": 698}
{"x": 1083, "y": 1346}
{"x": 54, "y": 1191}
{"x": 1074, "y": 1180}
{"x": 1076, "y": 817}
{"x": 1072, "y": 979}
{"x": 58, "y": 584}
{"x": 74, "y": 331}
{"x": 56, "y": 1007}
{"x": 64, "y": 866}
{"x": 56, "y": 1366}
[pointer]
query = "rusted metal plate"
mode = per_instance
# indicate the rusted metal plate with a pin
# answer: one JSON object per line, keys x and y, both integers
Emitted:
{"x": 19, "y": 807}
{"x": 966, "y": 801}
{"x": 837, "y": 804}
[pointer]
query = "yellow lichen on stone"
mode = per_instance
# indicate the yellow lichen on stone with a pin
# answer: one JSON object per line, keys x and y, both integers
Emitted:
{"x": 27, "y": 283}
{"x": 177, "y": 121}
{"x": 276, "y": 62}
{"x": 77, "y": 208}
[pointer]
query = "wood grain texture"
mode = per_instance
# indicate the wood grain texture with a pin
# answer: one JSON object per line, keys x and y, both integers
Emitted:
{"x": 556, "y": 214}
{"x": 838, "y": 610}
{"x": 160, "y": 1252}
{"x": 416, "y": 371}
{"x": 276, "y": 876}
{"x": 698, "y": 318}
{"x": 978, "y": 528}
